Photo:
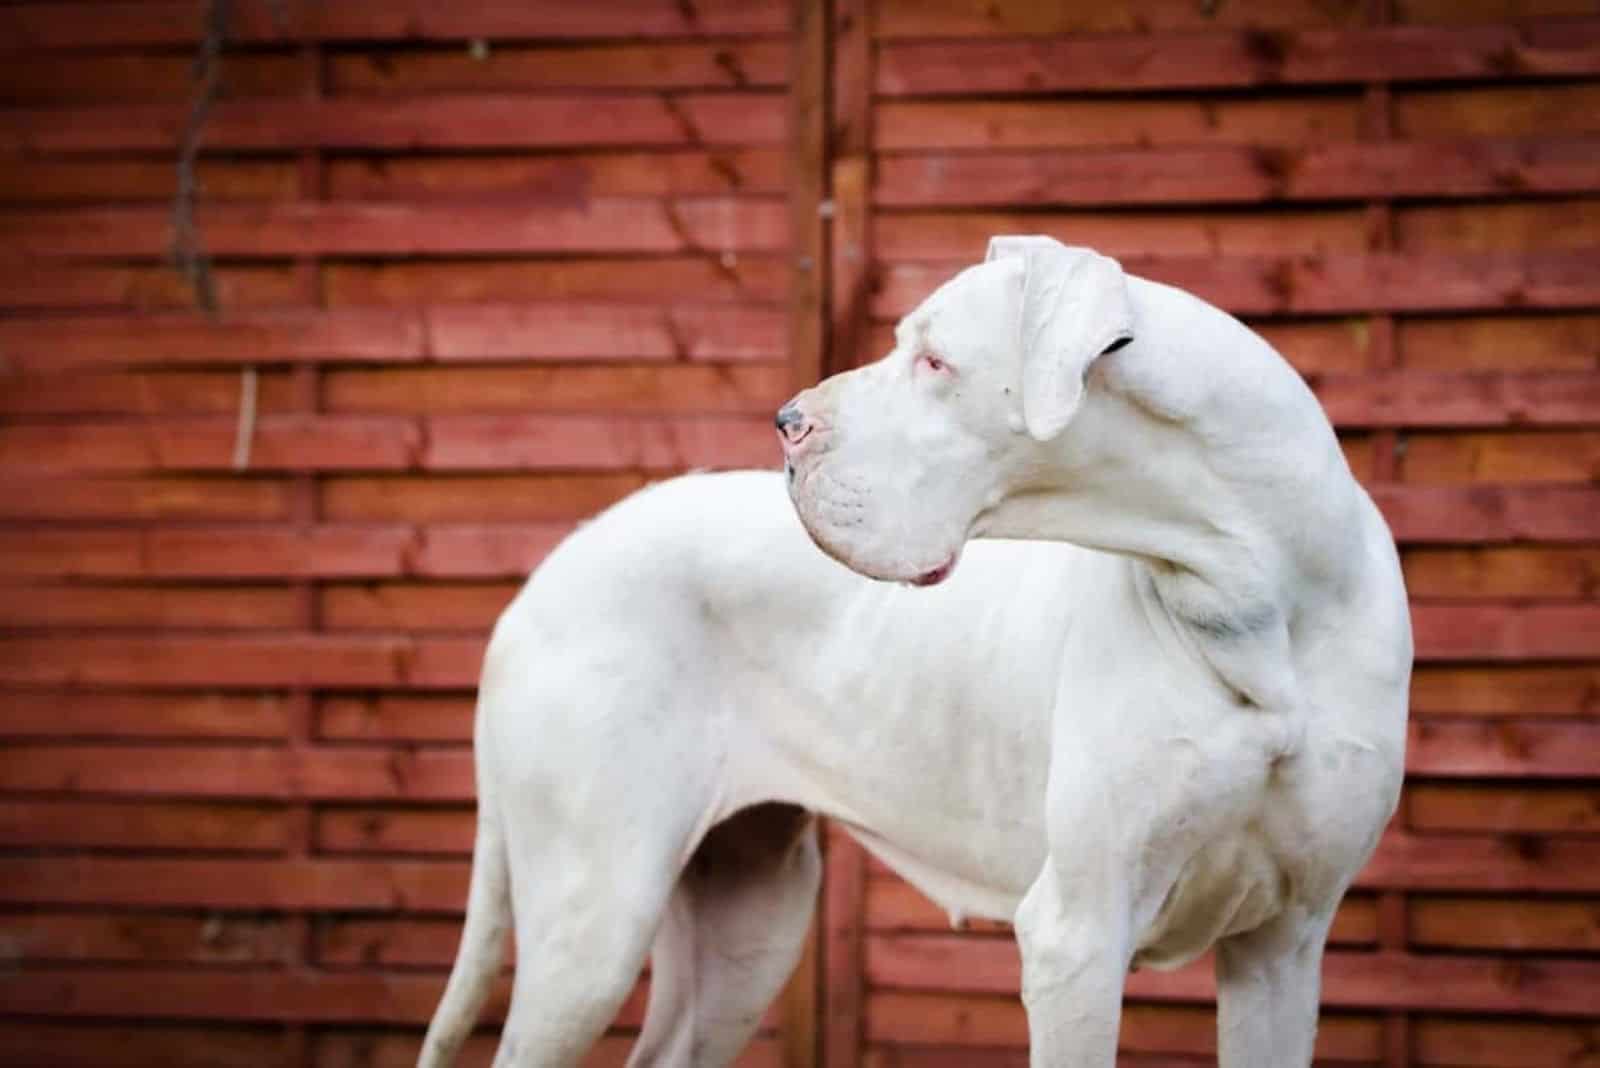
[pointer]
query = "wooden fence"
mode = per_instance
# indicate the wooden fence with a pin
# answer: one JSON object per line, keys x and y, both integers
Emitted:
{"x": 486, "y": 267}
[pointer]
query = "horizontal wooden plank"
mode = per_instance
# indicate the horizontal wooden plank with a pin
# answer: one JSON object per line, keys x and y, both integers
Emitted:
{"x": 985, "y": 18}
{"x": 970, "y": 1023}
{"x": 318, "y": 772}
{"x": 569, "y": 176}
{"x": 407, "y": 123}
{"x": 435, "y": 830}
{"x": 65, "y": 285}
{"x": 1501, "y": 863}
{"x": 1427, "y": 399}
{"x": 1488, "y": 1043}
{"x": 120, "y": 606}
{"x": 329, "y": 550}
{"x": 1506, "y": 632}
{"x": 144, "y": 938}
{"x": 1522, "y": 808}
{"x": 1458, "y": 514}
{"x": 1237, "y": 59}
{"x": 1543, "y": 690}
{"x": 1495, "y": 110}
{"x": 1510, "y": 925}
{"x": 1498, "y": 226}
{"x": 292, "y": 660}
{"x": 637, "y": 65}
{"x": 1562, "y": 341}
{"x": 412, "y": 606}
{"x": 175, "y": 994}
{"x": 1521, "y": 748}
{"x": 89, "y": 392}
{"x": 1501, "y": 457}
{"x": 1322, "y": 285}
{"x": 1386, "y": 979}
{"x": 369, "y": 1048}
{"x": 558, "y": 331}
{"x": 683, "y": 279}
{"x": 382, "y": 942}
{"x": 1515, "y": 571}
{"x": 949, "y": 126}
{"x": 293, "y": 885}
{"x": 165, "y": 498}
{"x": 501, "y": 498}
{"x": 397, "y": 718}
{"x": 373, "y": 228}
{"x": 91, "y": 1044}
{"x": 167, "y": 22}
{"x": 1238, "y": 173}
{"x": 61, "y": 182}
{"x": 229, "y": 827}
{"x": 650, "y": 389}
{"x": 393, "y": 443}
{"x": 193, "y": 717}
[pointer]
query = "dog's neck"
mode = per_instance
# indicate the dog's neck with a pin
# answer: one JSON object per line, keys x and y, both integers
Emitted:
{"x": 1200, "y": 453}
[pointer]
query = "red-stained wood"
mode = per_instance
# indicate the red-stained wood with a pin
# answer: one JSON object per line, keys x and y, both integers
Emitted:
{"x": 397, "y": 123}
{"x": 372, "y": 228}
{"x": 1505, "y": 632}
{"x": 226, "y": 827}
{"x": 150, "y": 499}
{"x": 292, "y": 660}
{"x": 982, "y": 18}
{"x": 1384, "y": 979}
{"x": 505, "y": 497}
{"x": 92, "y": 1044}
{"x": 88, "y": 24}
{"x": 395, "y": 718}
{"x": 1427, "y": 399}
{"x": 1237, "y": 59}
{"x": 1242, "y": 173}
{"x": 1526, "y": 749}
{"x": 413, "y": 606}
{"x": 1514, "y": 807}
{"x": 432, "y": 831}
{"x": 1543, "y": 690}
{"x": 193, "y": 717}
{"x": 128, "y": 607}
{"x": 145, "y": 938}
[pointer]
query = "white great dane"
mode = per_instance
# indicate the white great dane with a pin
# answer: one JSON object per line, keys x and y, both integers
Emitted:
{"x": 1174, "y": 720}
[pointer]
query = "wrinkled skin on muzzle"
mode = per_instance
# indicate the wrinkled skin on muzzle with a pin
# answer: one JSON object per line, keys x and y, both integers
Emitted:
{"x": 892, "y": 467}
{"x": 901, "y": 456}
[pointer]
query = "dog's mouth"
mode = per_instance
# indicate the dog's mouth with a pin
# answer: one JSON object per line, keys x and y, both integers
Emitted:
{"x": 938, "y": 574}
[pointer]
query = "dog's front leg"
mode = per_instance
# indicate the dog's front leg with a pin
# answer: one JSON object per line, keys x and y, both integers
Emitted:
{"x": 1073, "y": 930}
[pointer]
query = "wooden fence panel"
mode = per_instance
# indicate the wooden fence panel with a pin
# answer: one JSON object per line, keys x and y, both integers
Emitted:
{"x": 492, "y": 268}
{"x": 1402, "y": 197}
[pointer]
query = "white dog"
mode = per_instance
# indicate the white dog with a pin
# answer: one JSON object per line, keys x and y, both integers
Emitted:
{"x": 1184, "y": 727}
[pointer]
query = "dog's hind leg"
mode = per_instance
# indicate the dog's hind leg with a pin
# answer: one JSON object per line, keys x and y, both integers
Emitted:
{"x": 733, "y": 932}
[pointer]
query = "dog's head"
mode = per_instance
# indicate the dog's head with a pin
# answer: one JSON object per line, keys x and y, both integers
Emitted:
{"x": 890, "y": 465}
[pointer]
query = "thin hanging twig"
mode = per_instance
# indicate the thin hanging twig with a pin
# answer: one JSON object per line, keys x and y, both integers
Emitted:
{"x": 187, "y": 252}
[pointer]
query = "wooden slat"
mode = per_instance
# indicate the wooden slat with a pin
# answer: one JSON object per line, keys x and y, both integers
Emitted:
{"x": 324, "y": 773}
{"x": 396, "y": 718}
{"x": 1228, "y": 174}
{"x": 1505, "y": 632}
{"x": 139, "y": 392}
{"x": 161, "y": 498}
{"x": 1505, "y": 924}
{"x": 636, "y": 65}
{"x": 294, "y": 660}
{"x": 1260, "y": 285}
{"x": 572, "y": 176}
{"x": 446, "y": 120}
{"x": 1350, "y": 979}
{"x": 227, "y": 827}
{"x": 433, "y": 831}
{"x": 195, "y": 717}
{"x": 1238, "y": 59}
{"x": 132, "y": 287}
{"x": 454, "y": 498}
{"x": 1412, "y": 399}
{"x": 144, "y": 938}
{"x": 84, "y": 1044}
{"x": 373, "y": 228}
{"x": 413, "y": 606}
{"x": 983, "y": 18}
{"x": 1506, "y": 690}
{"x": 1502, "y": 457}
{"x": 682, "y": 279}
{"x": 560, "y": 331}
{"x": 1512, "y": 748}
{"x": 120, "y": 606}
{"x": 1456, "y": 514}
{"x": 88, "y": 23}
{"x": 1497, "y": 111}
{"x": 1515, "y": 808}
{"x": 1514, "y": 342}
{"x": 1462, "y": 574}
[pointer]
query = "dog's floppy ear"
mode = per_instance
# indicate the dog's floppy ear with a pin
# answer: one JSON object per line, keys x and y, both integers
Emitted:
{"x": 1074, "y": 307}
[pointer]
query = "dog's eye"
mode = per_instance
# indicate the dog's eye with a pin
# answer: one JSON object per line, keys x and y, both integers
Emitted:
{"x": 933, "y": 363}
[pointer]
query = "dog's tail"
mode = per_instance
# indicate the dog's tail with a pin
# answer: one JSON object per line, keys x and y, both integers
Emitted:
{"x": 482, "y": 943}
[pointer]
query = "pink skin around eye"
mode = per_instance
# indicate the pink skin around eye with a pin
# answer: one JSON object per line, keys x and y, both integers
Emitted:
{"x": 933, "y": 363}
